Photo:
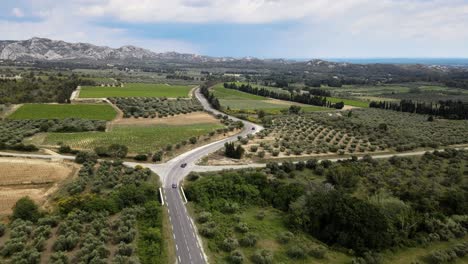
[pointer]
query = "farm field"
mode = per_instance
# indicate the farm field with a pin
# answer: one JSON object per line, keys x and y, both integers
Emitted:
{"x": 352, "y": 132}
{"x": 155, "y": 107}
{"x": 237, "y": 100}
{"x": 63, "y": 111}
{"x": 350, "y": 102}
{"x": 136, "y": 90}
{"x": 389, "y": 92}
{"x": 139, "y": 139}
{"x": 27, "y": 177}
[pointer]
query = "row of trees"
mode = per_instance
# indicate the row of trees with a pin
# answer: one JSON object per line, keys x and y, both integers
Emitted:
{"x": 205, "y": 90}
{"x": 303, "y": 98}
{"x": 447, "y": 109}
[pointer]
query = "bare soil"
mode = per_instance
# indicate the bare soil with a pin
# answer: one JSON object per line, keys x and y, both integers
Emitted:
{"x": 38, "y": 179}
{"x": 184, "y": 119}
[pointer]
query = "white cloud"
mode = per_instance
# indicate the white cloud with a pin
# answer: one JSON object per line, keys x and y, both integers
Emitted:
{"x": 60, "y": 24}
{"x": 17, "y": 12}
{"x": 316, "y": 27}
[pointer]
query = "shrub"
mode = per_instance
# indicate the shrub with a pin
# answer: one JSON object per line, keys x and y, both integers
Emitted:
{"x": 296, "y": 252}
{"x": 25, "y": 209}
{"x": 157, "y": 156}
{"x": 242, "y": 227}
{"x": 59, "y": 258}
{"x": 124, "y": 249}
{"x": 253, "y": 148}
{"x": 249, "y": 240}
{"x": 2, "y": 229}
{"x": 83, "y": 156}
{"x": 117, "y": 151}
{"x": 229, "y": 244}
{"x": 263, "y": 256}
{"x": 193, "y": 140}
{"x": 261, "y": 154}
{"x": 141, "y": 157}
{"x": 236, "y": 257}
{"x": 285, "y": 237}
{"x": 260, "y": 215}
{"x": 204, "y": 217}
{"x": 318, "y": 252}
{"x": 64, "y": 149}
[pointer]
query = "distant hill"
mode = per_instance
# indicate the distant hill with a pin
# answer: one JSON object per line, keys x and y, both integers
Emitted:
{"x": 43, "y": 49}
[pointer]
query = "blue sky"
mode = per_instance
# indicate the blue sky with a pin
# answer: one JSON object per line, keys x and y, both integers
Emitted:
{"x": 259, "y": 28}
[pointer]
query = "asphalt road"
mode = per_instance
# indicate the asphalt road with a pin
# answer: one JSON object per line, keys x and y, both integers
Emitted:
{"x": 188, "y": 245}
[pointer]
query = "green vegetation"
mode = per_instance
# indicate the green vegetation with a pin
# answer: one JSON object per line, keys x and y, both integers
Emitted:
{"x": 155, "y": 107}
{"x": 236, "y": 100}
{"x": 58, "y": 111}
{"x": 13, "y": 132}
{"x": 349, "y": 102}
{"x": 356, "y": 131}
{"x": 303, "y": 212}
{"x": 137, "y": 138}
{"x": 136, "y": 90}
{"x": 108, "y": 214}
{"x": 31, "y": 89}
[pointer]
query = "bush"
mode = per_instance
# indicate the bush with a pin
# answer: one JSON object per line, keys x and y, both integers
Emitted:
{"x": 2, "y": 229}
{"x": 242, "y": 227}
{"x": 249, "y": 240}
{"x": 285, "y": 237}
{"x": 229, "y": 244}
{"x": 296, "y": 252}
{"x": 141, "y": 157}
{"x": 117, "y": 151}
{"x": 253, "y": 148}
{"x": 157, "y": 156}
{"x": 204, "y": 217}
{"x": 193, "y": 140}
{"x": 65, "y": 149}
{"x": 236, "y": 257}
{"x": 318, "y": 252}
{"x": 26, "y": 209}
{"x": 59, "y": 258}
{"x": 83, "y": 156}
{"x": 263, "y": 256}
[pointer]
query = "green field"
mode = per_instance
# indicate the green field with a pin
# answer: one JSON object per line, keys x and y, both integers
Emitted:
{"x": 238, "y": 100}
{"x": 62, "y": 111}
{"x": 229, "y": 94}
{"x": 137, "y": 138}
{"x": 349, "y": 102}
{"x": 136, "y": 90}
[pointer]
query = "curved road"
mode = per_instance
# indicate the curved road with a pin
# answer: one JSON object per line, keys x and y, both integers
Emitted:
{"x": 188, "y": 245}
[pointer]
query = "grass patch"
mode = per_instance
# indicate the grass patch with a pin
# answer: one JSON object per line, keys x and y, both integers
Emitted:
{"x": 137, "y": 138}
{"x": 136, "y": 90}
{"x": 62, "y": 111}
{"x": 349, "y": 102}
{"x": 229, "y": 94}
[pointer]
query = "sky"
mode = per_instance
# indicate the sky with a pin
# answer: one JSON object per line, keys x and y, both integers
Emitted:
{"x": 257, "y": 28}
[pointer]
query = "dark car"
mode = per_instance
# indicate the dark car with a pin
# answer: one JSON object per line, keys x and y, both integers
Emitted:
{"x": 174, "y": 185}
{"x": 253, "y": 128}
{"x": 183, "y": 165}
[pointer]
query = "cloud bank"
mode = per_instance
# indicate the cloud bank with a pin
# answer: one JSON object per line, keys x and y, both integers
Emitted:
{"x": 319, "y": 28}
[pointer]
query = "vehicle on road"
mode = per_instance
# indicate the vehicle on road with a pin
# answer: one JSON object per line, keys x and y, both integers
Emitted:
{"x": 253, "y": 128}
{"x": 174, "y": 185}
{"x": 183, "y": 165}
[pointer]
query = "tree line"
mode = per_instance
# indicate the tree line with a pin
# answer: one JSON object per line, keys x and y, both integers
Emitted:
{"x": 204, "y": 89}
{"x": 447, "y": 109}
{"x": 303, "y": 98}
